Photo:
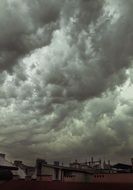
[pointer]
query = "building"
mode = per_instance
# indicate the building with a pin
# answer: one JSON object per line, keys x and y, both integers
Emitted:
{"x": 6, "y": 168}
{"x": 4, "y": 164}
{"x": 57, "y": 172}
{"x": 24, "y": 171}
{"x": 120, "y": 167}
{"x": 87, "y": 165}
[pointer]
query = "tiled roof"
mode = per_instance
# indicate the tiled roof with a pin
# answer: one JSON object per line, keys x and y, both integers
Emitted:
{"x": 69, "y": 168}
{"x": 5, "y": 163}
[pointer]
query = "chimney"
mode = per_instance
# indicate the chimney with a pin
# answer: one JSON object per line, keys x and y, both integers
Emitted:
{"x": 132, "y": 162}
{"x": 56, "y": 163}
{"x": 100, "y": 162}
{"x": 2, "y": 155}
{"x": 39, "y": 164}
{"x": 104, "y": 165}
{"x": 92, "y": 162}
{"x": 17, "y": 163}
{"x": 109, "y": 164}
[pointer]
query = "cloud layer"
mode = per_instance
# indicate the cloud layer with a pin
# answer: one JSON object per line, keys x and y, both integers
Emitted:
{"x": 64, "y": 67}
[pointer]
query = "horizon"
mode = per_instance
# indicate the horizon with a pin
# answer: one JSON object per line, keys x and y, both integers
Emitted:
{"x": 66, "y": 163}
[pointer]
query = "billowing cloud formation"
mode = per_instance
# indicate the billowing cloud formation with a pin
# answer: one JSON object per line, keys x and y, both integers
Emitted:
{"x": 63, "y": 65}
{"x": 25, "y": 26}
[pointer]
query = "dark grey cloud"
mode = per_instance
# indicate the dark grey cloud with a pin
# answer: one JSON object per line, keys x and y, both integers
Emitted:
{"x": 70, "y": 62}
{"x": 25, "y": 26}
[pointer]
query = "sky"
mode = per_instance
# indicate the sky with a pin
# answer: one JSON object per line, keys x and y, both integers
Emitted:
{"x": 66, "y": 79}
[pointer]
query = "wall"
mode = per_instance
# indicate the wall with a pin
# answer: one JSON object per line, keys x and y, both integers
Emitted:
{"x": 44, "y": 178}
{"x": 57, "y": 174}
{"x": 77, "y": 177}
{"x": 113, "y": 178}
{"x": 46, "y": 174}
{"x": 46, "y": 170}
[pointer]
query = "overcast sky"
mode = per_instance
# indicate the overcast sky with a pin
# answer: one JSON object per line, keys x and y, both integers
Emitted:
{"x": 66, "y": 79}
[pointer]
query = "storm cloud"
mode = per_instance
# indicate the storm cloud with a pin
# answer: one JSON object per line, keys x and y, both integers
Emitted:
{"x": 65, "y": 67}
